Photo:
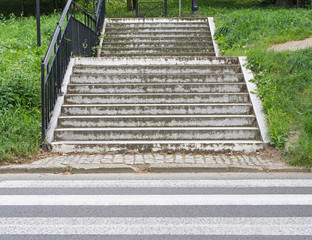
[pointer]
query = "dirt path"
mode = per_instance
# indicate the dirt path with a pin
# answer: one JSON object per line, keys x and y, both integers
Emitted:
{"x": 293, "y": 45}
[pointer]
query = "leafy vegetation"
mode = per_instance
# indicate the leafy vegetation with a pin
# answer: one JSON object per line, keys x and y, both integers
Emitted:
{"x": 20, "y": 84}
{"x": 283, "y": 78}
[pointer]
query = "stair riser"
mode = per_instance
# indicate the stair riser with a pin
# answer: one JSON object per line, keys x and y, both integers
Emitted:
{"x": 156, "y": 20}
{"x": 111, "y": 79}
{"x": 158, "y": 45}
{"x": 189, "y": 88}
{"x": 155, "y": 29}
{"x": 164, "y": 54}
{"x": 157, "y": 122}
{"x": 160, "y": 34}
{"x": 204, "y": 69}
{"x": 155, "y": 50}
{"x": 156, "y": 110}
{"x": 158, "y": 25}
{"x": 147, "y": 61}
{"x": 168, "y": 134}
{"x": 158, "y": 147}
{"x": 156, "y": 99}
{"x": 159, "y": 39}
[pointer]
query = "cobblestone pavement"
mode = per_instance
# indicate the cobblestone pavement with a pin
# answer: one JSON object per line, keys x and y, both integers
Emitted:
{"x": 222, "y": 159}
{"x": 151, "y": 162}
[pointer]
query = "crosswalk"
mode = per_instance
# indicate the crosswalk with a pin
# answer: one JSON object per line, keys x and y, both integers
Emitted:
{"x": 156, "y": 209}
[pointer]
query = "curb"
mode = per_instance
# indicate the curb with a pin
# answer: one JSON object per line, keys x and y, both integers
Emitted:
{"x": 145, "y": 168}
{"x": 186, "y": 168}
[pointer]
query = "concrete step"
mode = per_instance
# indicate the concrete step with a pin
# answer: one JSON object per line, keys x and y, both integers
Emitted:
{"x": 157, "y": 20}
{"x": 155, "y": 29}
{"x": 89, "y": 78}
{"x": 192, "y": 146}
{"x": 189, "y": 133}
{"x": 158, "y": 98}
{"x": 148, "y": 50}
{"x": 161, "y": 54}
{"x": 159, "y": 69}
{"x": 158, "y": 45}
{"x": 155, "y": 109}
{"x": 175, "y": 34}
{"x": 157, "y": 121}
{"x": 165, "y": 25}
{"x": 157, "y": 38}
{"x": 157, "y": 88}
{"x": 157, "y": 61}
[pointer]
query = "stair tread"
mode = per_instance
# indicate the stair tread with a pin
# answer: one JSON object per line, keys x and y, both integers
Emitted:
{"x": 155, "y": 128}
{"x": 148, "y": 94}
{"x": 156, "y": 116}
{"x": 153, "y": 84}
{"x": 158, "y": 141}
{"x": 159, "y": 65}
{"x": 158, "y": 104}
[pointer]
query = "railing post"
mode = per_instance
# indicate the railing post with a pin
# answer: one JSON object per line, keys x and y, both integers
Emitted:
{"x": 38, "y": 23}
{"x": 43, "y": 127}
{"x": 58, "y": 60}
{"x": 194, "y": 7}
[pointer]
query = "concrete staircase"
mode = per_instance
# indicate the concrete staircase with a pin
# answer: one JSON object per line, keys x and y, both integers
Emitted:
{"x": 160, "y": 37}
{"x": 157, "y": 87}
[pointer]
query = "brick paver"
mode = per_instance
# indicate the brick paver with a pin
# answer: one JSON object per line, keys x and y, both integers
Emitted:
{"x": 149, "y": 158}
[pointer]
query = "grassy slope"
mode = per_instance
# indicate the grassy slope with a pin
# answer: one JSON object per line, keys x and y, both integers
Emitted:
{"x": 283, "y": 79}
{"x": 20, "y": 84}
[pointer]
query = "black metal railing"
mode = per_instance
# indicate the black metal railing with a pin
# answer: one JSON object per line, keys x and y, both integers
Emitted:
{"x": 151, "y": 9}
{"x": 76, "y": 34}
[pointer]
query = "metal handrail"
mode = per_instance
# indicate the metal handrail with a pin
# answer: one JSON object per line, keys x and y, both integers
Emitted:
{"x": 76, "y": 38}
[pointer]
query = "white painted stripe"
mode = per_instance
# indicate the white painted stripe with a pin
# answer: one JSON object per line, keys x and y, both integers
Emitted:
{"x": 157, "y": 183}
{"x": 155, "y": 200}
{"x": 157, "y": 226}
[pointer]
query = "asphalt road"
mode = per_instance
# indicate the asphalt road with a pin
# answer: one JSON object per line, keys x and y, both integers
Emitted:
{"x": 156, "y": 206}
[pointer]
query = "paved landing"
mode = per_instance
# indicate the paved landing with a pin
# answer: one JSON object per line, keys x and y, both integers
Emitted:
{"x": 153, "y": 162}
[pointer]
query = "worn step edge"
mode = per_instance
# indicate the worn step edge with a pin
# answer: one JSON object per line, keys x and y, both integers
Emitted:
{"x": 157, "y": 104}
{"x": 157, "y": 20}
{"x": 160, "y": 66}
{"x": 158, "y": 54}
{"x": 157, "y": 60}
{"x": 155, "y": 146}
{"x": 154, "y": 109}
{"x": 151, "y": 43}
{"x": 163, "y": 65}
{"x": 155, "y": 84}
{"x": 157, "y": 129}
{"x": 160, "y": 26}
{"x": 157, "y": 48}
{"x": 157, "y": 94}
{"x": 78, "y": 78}
{"x": 157, "y": 116}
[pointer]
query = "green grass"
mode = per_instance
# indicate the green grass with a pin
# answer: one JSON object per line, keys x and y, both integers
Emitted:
{"x": 20, "y": 84}
{"x": 283, "y": 79}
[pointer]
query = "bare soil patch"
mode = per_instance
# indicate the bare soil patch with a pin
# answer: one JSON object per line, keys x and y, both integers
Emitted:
{"x": 293, "y": 45}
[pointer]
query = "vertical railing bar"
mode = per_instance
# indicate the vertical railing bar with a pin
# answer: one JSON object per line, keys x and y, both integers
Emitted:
{"x": 43, "y": 125}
